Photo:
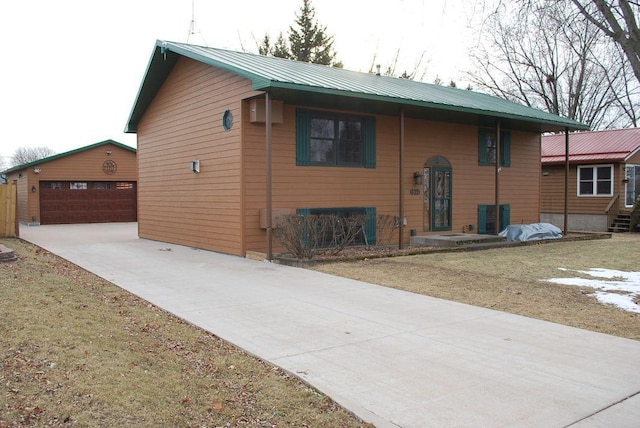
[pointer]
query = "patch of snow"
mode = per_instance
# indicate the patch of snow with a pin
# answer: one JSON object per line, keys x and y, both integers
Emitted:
{"x": 617, "y": 288}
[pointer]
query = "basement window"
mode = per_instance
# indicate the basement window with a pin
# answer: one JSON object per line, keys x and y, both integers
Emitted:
{"x": 369, "y": 228}
{"x": 487, "y": 218}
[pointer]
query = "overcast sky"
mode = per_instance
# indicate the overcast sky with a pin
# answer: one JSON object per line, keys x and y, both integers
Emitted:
{"x": 71, "y": 69}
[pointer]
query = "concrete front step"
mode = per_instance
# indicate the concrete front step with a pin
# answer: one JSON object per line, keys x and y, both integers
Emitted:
{"x": 455, "y": 240}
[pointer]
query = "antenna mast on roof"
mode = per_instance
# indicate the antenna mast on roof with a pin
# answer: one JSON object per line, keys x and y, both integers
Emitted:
{"x": 193, "y": 27}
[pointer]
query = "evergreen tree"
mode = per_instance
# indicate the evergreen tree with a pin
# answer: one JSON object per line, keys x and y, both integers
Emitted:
{"x": 280, "y": 50}
{"x": 308, "y": 41}
{"x": 265, "y": 48}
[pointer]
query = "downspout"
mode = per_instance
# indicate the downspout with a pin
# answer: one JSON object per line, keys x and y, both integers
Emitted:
{"x": 566, "y": 181}
{"x": 269, "y": 190}
{"x": 401, "y": 180}
{"x": 497, "y": 178}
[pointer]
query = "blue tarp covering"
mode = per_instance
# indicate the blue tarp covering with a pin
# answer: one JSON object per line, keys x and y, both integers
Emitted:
{"x": 531, "y": 232}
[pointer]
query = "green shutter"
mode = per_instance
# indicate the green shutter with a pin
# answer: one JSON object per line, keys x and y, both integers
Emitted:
{"x": 482, "y": 147}
{"x": 505, "y": 148}
{"x": 505, "y": 216}
{"x": 303, "y": 137}
{"x": 369, "y": 134}
{"x": 482, "y": 219}
{"x": 370, "y": 228}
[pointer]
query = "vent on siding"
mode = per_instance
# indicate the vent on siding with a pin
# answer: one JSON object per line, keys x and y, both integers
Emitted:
{"x": 257, "y": 111}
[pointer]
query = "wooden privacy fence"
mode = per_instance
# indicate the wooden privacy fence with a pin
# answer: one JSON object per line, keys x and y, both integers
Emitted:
{"x": 8, "y": 210}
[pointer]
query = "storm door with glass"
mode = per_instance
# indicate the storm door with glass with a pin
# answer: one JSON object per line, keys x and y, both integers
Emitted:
{"x": 632, "y": 184}
{"x": 437, "y": 179}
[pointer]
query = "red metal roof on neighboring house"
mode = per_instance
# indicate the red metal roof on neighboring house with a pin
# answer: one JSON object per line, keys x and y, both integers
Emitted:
{"x": 615, "y": 145}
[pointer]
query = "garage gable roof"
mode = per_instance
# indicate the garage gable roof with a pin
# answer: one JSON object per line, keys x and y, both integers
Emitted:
{"x": 69, "y": 153}
{"x": 270, "y": 73}
{"x": 616, "y": 145}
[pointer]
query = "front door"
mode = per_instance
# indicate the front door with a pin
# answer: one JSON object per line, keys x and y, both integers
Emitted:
{"x": 441, "y": 213}
{"x": 437, "y": 198}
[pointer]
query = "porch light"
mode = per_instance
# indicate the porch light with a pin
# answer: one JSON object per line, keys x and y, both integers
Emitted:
{"x": 37, "y": 170}
{"x": 33, "y": 189}
{"x": 417, "y": 178}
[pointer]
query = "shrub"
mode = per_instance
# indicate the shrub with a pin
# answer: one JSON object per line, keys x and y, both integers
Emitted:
{"x": 323, "y": 234}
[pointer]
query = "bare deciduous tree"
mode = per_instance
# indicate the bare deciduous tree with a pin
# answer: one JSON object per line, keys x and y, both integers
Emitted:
{"x": 24, "y": 155}
{"x": 619, "y": 21}
{"x": 553, "y": 58}
{"x": 419, "y": 69}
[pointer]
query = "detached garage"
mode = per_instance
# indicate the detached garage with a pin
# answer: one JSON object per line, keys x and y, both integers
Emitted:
{"x": 92, "y": 184}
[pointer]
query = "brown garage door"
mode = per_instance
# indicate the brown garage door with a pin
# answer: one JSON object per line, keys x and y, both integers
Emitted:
{"x": 63, "y": 202}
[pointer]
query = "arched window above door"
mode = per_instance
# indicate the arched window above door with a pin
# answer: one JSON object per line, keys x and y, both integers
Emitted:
{"x": 438, "y": 161}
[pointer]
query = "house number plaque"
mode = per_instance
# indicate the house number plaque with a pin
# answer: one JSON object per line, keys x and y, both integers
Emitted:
{"x": 414, "y": 191}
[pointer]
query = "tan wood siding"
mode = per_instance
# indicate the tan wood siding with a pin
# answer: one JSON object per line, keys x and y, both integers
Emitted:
{"x": 552, "y": 192}
{"x": 22, "y": 195}
{"x": 182, "y": 124}
{"x": 634, "y": 159}
{"x": 318, "y": 187}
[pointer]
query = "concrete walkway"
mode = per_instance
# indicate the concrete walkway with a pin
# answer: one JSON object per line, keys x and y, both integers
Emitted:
{"x": 393, "y": 358}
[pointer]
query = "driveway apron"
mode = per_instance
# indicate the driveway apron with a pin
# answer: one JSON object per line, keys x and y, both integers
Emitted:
{"x": 393, "y": 358}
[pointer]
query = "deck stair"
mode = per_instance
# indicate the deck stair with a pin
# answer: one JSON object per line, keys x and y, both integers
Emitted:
{"x": 455, "y": 240}
{"x": 621, "y": 223}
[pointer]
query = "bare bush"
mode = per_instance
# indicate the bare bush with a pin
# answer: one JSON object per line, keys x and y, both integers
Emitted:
{"x": 386, "y": 225}
{"x": 311, "y": 235}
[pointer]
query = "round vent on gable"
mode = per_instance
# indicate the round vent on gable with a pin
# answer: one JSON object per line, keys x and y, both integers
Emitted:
{"x": 227, "y": 120}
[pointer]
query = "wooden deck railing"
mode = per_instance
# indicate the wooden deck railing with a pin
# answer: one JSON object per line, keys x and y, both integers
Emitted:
{"x": 613, "y": 209}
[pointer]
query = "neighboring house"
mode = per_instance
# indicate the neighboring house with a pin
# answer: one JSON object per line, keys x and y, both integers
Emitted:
{"x": 92, "y": 184}
{"x": 603, "y": 180}
{"x": 213, "y": 169}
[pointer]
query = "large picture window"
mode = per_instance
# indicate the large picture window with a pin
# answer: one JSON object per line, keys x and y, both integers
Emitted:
{"x": 595, "y": 180}
{"x": 487, "y": 143}
{"x": 333, "y": 139}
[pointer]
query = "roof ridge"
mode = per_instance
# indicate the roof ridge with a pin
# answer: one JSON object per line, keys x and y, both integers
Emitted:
{"x": 289, "y": 76}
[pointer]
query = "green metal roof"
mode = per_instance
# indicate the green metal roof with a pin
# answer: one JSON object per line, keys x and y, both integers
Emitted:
{"x": 70, "y": 152}
{"x": 282, "y": 76}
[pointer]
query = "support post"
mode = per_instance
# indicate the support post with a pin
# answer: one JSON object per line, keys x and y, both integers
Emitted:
{"x": 401, "y": 179}
{"x": 497, "y": 178}
{"x": 269, "y": 207}
{"x": 566, "y": 182}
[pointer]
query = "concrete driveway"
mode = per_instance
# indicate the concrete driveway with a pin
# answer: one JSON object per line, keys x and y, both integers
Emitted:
{"x": 393, "y": 358}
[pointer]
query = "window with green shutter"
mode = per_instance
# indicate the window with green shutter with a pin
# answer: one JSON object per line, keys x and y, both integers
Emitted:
{"x": 366, "y": 236}
{"x": 334, "y": 139}
{"x": 487, "y": 218}
{"x": 487, "y": 143}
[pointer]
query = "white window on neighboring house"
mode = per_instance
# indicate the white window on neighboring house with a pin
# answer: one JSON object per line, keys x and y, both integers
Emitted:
{"x": 595, "y": 180}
